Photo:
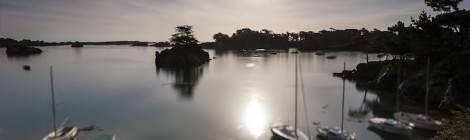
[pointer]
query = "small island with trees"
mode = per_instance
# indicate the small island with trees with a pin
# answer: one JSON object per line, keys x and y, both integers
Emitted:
{"x": 185, "y": 51}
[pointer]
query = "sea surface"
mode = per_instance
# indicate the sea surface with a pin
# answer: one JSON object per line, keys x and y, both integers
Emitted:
{"x": 236, "y": 96}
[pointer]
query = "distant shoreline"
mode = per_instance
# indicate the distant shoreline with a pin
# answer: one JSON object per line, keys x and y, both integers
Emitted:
{"x": 8, "y": 42}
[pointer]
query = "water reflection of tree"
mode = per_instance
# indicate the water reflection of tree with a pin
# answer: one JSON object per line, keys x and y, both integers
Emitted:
{"x": 361, "y": 112}
{"x": 185, "y": 79}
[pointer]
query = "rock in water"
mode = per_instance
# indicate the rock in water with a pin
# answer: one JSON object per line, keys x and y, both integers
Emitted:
{"x": 22, "y": 51}
{"x": 76, "y": 45}
{"x": 181, "y": 57}
{"x": 26, "y": 67}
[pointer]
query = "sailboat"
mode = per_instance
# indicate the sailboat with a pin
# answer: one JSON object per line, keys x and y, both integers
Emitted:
{"x": 391, "y": 125}
{"x": 285, "y": 131}
{"x": 336, "y": 133}
{"x": 64, "y": 133}
{"x": 420, "y": 120}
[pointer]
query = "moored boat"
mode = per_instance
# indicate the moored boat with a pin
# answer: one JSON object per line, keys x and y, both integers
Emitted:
{"x": 320, "y": 53}
{"x": 392, "y": 126}
{"x": 285, "y": 131}
{"x": 419, "y": 120}
{"x": 288, "y": 132}
{"x": 335, "y": 134}
{"x": 65, "y": 133}
{"x": 106, "y": 137}
{"x": 331, "y": 57}
{"x": 422, "y": 121}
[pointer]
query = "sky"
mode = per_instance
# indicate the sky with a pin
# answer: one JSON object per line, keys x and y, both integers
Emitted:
{"x": 154, "y": 20}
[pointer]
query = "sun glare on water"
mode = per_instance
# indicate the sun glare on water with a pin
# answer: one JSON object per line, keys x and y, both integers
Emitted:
{"x": 254, "y": 118}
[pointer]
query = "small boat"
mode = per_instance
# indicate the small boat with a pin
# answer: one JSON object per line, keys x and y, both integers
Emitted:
{"x": 380, "y": 55}
{"x": 288, "y": 133}
{"x": 334, "y": 133}
{"x": 320, "y": 53}
{"x": 331, "y": 57}
{"x": 260, "y": 50}
{"x": 422, "y": 121}
{"x": 337, "y": 133}
{"x": 392, "y": 126}
{"x": 106, "y": 137}
{"x": 65, "y": 133}
{"x": 419, "y": 120}
{"x": 285, "y": 131}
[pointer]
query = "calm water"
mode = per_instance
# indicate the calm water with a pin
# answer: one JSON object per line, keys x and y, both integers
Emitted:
{"x": 119, "y": 89}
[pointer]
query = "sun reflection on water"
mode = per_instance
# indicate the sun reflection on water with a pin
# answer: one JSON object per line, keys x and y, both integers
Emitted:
{"x": 250, "y": 65}
{"x": 254, "y": 118}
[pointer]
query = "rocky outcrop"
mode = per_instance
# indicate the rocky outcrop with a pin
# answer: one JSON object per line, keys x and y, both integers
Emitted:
{"x": 364, "y": 71}
{"x": 22, "y": 51}
{"x": 181, "y": 57}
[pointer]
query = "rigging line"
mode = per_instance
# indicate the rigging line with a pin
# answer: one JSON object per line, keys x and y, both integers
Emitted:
{"x": 342, "y": 105}
{"x": 302, "y": 90}
{"x": 53, "y": 99}
{"x": 296, "y": 76}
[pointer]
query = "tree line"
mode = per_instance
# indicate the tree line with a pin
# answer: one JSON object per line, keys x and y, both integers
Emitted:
{"x": 333, "y": 39}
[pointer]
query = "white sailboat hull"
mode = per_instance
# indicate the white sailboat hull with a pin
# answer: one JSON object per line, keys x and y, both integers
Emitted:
{"x": 288, "y": 133}
{"x": 401, "y": 129}
{"x": 419, "y": 120}
{"x": 323, "y": 132}
{"x": 66, "y": 133}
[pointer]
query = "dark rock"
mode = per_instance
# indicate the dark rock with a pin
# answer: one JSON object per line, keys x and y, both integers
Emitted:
{"x": 26, "y": 67}
{"x": 22, "y": 51}
{"x": 76, "y": 45}
{"x": 181, "y": 57}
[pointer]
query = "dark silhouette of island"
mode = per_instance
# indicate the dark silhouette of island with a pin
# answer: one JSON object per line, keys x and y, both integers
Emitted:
{"x": 442, "y": 41}
{"x": 141, "y": 44}
{"x": 185, "y": 51}
{"x": 76, "y": 45}
{"x": 8, "y": 42}
{"x": 22, "y": 51}
{"x": 332, "y": 40}
{"x": 162, "y": 44}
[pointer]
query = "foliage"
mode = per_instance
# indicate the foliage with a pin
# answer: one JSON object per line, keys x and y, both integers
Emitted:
{"x": 443, "y": 5}
{"x": 456, "y": 129}
{"x": 183, "y": 37}
{"x": 220, "y": 37}
{"x": 339, "y": 40}
{"x": 445, "y": 40}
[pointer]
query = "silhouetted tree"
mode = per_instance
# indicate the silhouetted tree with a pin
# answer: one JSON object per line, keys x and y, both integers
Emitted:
{"x": 220, "y": 37}
{"x": 443, "y": 5}
{"x": 183, "y": 37}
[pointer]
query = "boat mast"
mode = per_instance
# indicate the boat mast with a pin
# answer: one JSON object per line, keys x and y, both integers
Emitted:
{"x": 296, "y": 63}
{"x": 398, "y": 85}
{"x": 53, "y": 101}
{"x": 342, "y": 107}
{"x": 427, "y": 87}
